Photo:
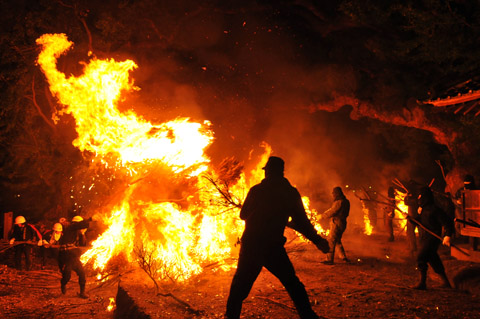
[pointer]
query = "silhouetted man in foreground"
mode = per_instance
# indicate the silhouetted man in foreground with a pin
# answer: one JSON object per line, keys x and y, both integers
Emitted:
{"x": 266, "y": 212}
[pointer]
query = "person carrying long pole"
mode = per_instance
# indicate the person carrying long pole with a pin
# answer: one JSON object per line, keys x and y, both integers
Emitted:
{"x": 433, "y": 219}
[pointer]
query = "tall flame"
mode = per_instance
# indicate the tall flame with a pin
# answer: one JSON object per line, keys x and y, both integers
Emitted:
{"x": 92, "y": 99}
{"x": 368, "y": 228}
{"x": 399, "y": 200}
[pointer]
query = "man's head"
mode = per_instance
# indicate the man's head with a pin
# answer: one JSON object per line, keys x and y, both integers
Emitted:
{"x": 77, "y": 219}
{"x": 63, "y": 221}
{"x": 391, "y": 192}
{"x": 337, "y": 192}
{"x": 57, "y": 227}
{"x": 20, "y": 221}
{"x": 275, "y": 166}
{"x": 425, "y": 196}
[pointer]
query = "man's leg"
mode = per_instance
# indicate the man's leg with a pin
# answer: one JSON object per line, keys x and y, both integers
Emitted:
{"x": 390, "y": 228}
{"x": 28, "y": 257}
{"x": 331, "y": 253}
{"x": 18, "y": 256}
{"x": 342, "y": 250}
{"x": 423, "y": 258}
{"x": 60, "y": 260}
{"x": 78, "y": 268}
{"x": 412, "y": 241}
{"x": 332, "y": 242}
{"x": 438, "y": 267}
{"x": 66, "y": 272}
{"x": 247, "y": 272}
{"x": 279, "y": 265}
{"x": 43, "y": 257}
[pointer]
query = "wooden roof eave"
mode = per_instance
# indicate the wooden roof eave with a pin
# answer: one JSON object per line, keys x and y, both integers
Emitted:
{"x": 463, "y": 98}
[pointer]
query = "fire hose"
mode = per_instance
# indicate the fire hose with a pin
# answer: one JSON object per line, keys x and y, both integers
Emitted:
{"x": 16, "y": 243}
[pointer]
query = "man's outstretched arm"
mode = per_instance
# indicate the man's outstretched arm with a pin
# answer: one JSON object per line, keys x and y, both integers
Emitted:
{"x": 302, "y": 224}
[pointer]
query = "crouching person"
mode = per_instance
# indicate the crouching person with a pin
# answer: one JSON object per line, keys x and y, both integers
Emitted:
{"x": 51, "y": 243}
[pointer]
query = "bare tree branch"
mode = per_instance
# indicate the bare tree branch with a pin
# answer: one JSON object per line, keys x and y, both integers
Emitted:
{"x": 34, "y": 100}
{"x": 224, "y": 191}
{"x": 152, "y": 265}
{"x": 229, "y": 173}
{"x": 81, "y": 16}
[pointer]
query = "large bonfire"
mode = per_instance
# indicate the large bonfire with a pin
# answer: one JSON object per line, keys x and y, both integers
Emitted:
{"x": 184, "y": 235}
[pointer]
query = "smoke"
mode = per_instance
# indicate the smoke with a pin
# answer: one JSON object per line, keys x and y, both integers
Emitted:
{"x": 287, "y": 74}
{"x": 259, "y": 74}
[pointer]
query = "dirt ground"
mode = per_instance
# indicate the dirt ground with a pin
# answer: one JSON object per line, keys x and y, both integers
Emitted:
{"x": 375, "y": 284}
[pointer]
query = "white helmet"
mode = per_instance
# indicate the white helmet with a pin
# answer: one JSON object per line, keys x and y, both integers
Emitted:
{"x": 20, "y": 220}
{"x": 57, "y": 227}
{"x": 77, "y": 219}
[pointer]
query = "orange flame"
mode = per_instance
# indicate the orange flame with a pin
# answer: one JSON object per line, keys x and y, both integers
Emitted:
{"x": 399, "y": 200}
{"x": 111, "y": 304}
{"x": 102, "y": 129}
{"x": 313, "y": 215}
{"x": 366, "y": 219}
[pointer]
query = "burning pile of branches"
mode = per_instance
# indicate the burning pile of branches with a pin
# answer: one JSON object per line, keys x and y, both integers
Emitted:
{"x": 228, "y": 176}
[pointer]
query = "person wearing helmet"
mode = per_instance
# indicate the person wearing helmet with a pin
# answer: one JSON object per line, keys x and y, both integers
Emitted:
{"x": 468, "y": 184}
{"x": 69, "y": 254}
{"x": 23, "y": 235}
{"x": 266, "y": 211}
{"x": 57, "y": 228}
{"x": 337, "y": 214}
{"x": 77, "y": 219}
{"x": 435, "y": 219}
{"x": 50, "y": 243}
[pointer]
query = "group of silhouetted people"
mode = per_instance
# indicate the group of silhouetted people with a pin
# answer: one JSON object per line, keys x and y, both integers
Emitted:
{"x": 274, "y": 204}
